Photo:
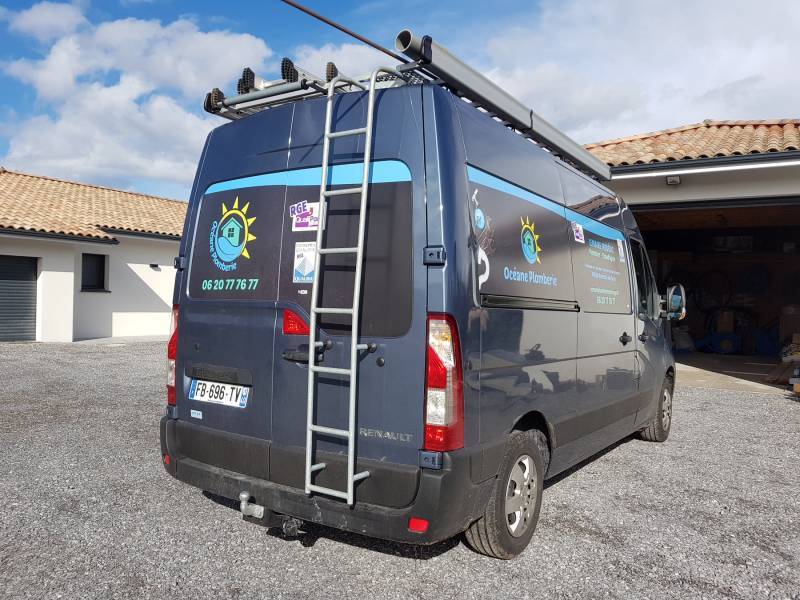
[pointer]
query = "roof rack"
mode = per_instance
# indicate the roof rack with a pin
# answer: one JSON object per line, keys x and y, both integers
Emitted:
{"x": 467, "y": 82}
{"x": 431, "y": 63}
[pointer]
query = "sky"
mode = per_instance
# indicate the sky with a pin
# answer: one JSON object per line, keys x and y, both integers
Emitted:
{"x": 111, "y": 92}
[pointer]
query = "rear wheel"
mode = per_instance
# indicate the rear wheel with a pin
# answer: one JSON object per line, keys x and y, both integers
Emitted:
{"x": 507, "y": 526}
{"x": 657, "y": 430}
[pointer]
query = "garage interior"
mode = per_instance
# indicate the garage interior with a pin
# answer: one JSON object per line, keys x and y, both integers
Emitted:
{"x": 738, "y": 261}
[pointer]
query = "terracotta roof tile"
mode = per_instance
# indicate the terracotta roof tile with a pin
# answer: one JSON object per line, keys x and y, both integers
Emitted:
{"x": 708, "y": 139}
{"x": 46, "y": 205}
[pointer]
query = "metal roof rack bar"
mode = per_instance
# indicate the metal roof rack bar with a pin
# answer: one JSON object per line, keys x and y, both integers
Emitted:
{"x": 469, "y": 83}
{"x": 300, "y": 84}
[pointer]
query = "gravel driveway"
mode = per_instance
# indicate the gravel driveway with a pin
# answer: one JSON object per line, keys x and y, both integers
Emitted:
{"x": 86, "y": 510}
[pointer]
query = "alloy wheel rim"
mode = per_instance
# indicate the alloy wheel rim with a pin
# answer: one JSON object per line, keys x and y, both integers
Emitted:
{"x": 666, "y": 410}
{"x": 520, "y": 496}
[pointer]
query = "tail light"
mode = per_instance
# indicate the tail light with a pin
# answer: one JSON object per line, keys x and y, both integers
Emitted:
{"x": 172, "y": 353}
{"x": 418, "y": 525}
{"x": 444, "y": 398}
{"x": 293, "y": 324}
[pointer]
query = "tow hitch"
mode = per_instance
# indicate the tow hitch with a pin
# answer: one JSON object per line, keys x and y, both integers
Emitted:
{"x": 249, "y": 509}
{"x": 289, "y": 525}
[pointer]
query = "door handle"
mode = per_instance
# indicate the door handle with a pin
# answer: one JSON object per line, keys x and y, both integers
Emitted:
{"x": 625, "y": 338}
{"x": 301, "y": 356}
{"x": 295, "y": 355}
{"x": 643, "y": 337}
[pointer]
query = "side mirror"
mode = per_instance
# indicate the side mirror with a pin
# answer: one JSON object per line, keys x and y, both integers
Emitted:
{"x": 674, "y": 303}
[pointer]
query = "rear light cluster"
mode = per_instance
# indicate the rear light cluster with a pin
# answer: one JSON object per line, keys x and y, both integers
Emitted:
{"x": 172, "y": 353}
{"x": 293, "y": 324}
{"x": 444, "y": 398}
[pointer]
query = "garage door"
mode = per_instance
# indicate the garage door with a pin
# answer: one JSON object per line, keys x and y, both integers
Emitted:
{"x": 17, "y": 298}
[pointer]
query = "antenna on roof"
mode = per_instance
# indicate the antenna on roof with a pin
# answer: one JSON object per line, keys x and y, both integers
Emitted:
{"x": 344, "y": 29}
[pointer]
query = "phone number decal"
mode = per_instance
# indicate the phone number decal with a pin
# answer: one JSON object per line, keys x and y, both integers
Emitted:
{"x": 231, "y": 283}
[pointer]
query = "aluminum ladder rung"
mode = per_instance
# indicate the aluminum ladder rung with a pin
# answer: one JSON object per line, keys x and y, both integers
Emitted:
{"x": 338, "y": 134}
{"x": 358, "y": 346}
{"x": 329, "y": 491}
{"x": 342, "y": 433}
{"x": 318, "y": 467}
{"x": 337, "y": 250}
{"x": 343, "y": 191}
{"x": 333, "y": 311}
{"x": 330, "y": 370}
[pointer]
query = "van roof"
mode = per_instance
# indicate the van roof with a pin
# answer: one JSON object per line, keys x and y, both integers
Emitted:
{"x": 430, "y": 63}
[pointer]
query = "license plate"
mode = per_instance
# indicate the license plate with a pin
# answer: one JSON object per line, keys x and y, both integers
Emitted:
{"x": 219, "y": 393}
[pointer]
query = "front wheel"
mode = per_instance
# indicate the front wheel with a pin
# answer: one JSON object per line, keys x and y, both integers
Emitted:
{"x": 507, "y": 526}
{"x": 657, "y": 430}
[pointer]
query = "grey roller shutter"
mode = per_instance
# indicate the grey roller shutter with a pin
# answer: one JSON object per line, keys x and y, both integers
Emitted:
{"x": 17, "y": 298}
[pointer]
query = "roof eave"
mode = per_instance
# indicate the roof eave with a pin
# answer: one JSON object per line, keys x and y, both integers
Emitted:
{"x": 57, "y": 236}
{"x": 142, "y": 234}
{"x": 740, "y": 160}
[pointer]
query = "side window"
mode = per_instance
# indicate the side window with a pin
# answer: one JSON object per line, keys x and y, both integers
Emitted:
{"x": 523, "y": 243}
{"x": 585, "y": 197}
{"x": 655, "y": 299}
{"x": 645, "y": 283}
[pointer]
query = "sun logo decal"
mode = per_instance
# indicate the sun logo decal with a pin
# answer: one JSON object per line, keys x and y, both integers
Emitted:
{"x": 530, "y": 241}
{"x": 230, "y": 236}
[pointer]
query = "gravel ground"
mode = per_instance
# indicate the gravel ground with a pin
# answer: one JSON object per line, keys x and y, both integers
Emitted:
{"x": 86, "y": 510}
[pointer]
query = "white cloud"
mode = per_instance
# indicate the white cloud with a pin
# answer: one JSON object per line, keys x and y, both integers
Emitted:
{"x": 350, "y": 59}
{"x": 601, "y": 70}
{"x": 47, "y": 20}
{"x": 122, "y": 101}
{"x": 177, "y": 56}
{"x": 120, "y": 135}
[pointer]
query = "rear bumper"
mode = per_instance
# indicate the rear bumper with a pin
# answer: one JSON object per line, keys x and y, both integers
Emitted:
{"x": 447, "y": 498}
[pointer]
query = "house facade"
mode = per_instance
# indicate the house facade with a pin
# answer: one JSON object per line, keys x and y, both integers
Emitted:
{"x": 80, "y": 261}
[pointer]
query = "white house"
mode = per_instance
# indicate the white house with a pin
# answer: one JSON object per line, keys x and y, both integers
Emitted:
{"x": 718, "y": 204}
{"x": 81, "y": 261}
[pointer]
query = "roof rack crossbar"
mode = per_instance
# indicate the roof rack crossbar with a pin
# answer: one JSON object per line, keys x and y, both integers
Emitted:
{"x": 469, "y": 83}
{"x": 306, "y": 85}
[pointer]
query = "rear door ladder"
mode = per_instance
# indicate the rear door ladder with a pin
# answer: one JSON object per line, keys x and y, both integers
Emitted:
{"x": 351, "y": 373}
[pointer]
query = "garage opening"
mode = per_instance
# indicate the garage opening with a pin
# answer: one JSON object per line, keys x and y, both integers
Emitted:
{"x": 740, "y": 264}
{"x": 17, "y": 298}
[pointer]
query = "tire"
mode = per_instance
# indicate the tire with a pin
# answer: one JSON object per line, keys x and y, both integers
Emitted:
{"x": 522, "y": 470}
{"x": 657, "y": 430}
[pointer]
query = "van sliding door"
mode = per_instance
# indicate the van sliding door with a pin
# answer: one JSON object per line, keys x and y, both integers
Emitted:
{"x": 529, "y": 319}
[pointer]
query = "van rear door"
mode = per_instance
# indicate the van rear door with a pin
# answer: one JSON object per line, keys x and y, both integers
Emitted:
{"x": 228, "y": 305}
{"x": 389, "y": 418}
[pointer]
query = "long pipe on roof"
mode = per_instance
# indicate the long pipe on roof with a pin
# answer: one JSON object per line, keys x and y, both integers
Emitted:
{"x": 465, "y": 80}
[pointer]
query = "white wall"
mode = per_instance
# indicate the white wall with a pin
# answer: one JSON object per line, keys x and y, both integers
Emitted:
{"x": 54, "y": 299}
{"x": 750, "y": 183}
{"x": 139, "y": 300}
